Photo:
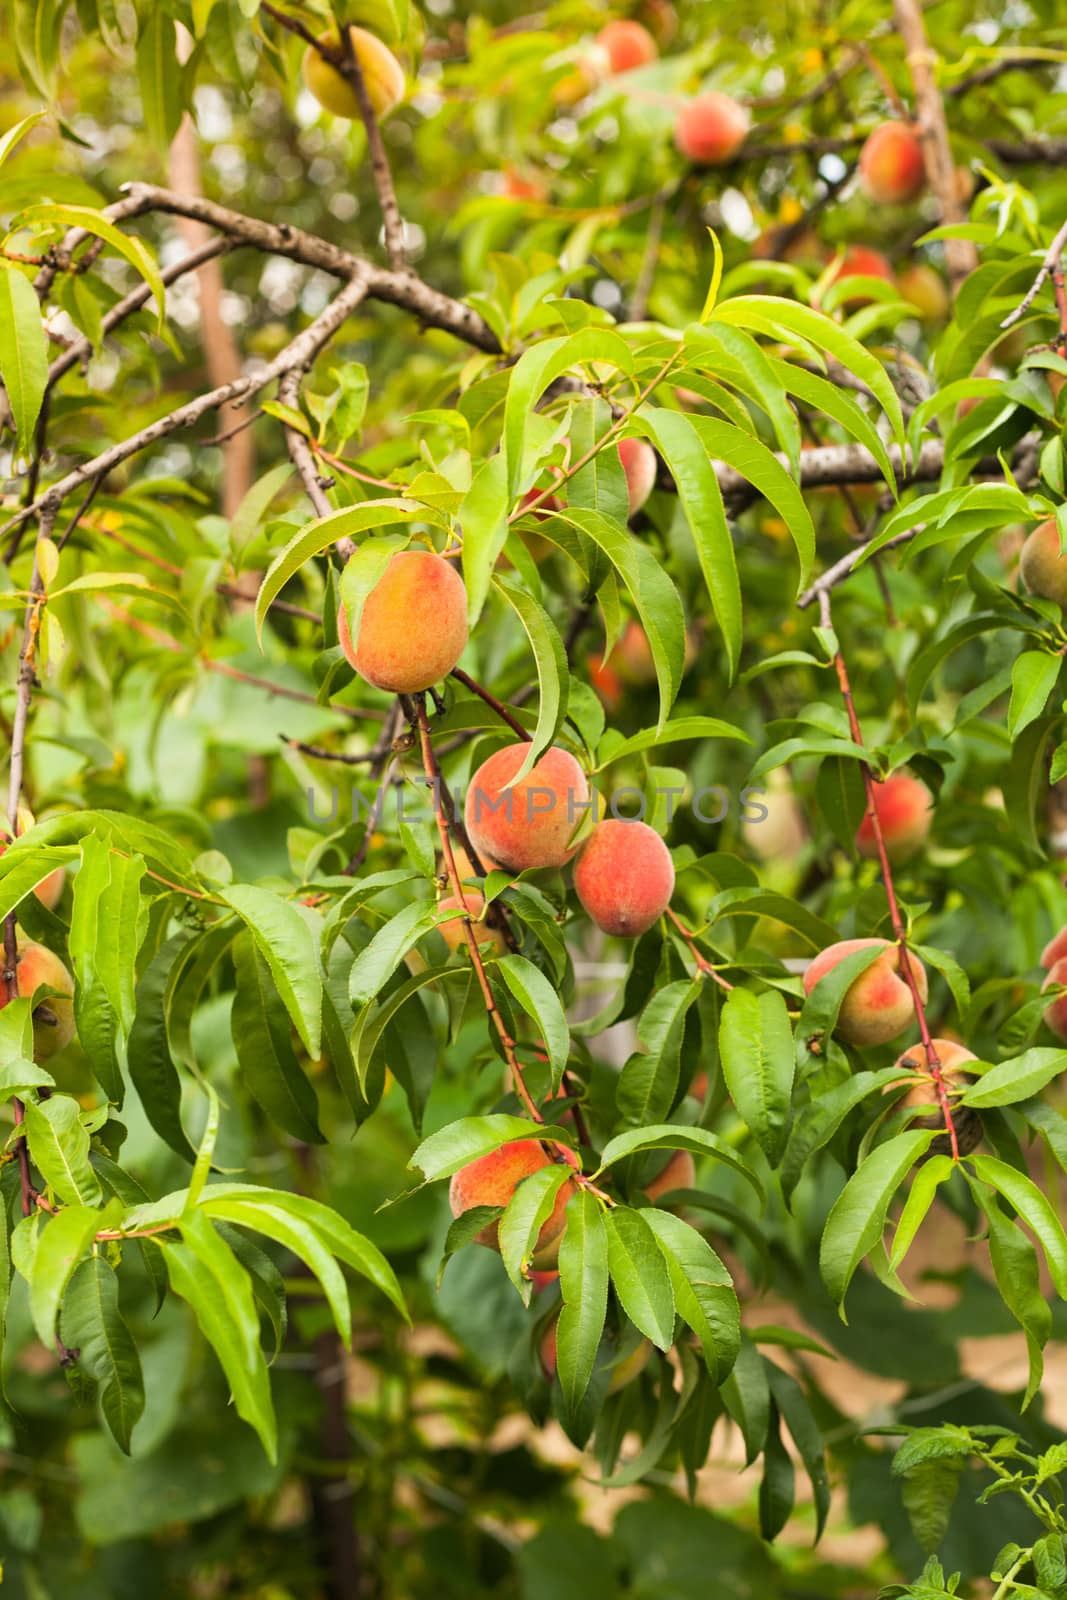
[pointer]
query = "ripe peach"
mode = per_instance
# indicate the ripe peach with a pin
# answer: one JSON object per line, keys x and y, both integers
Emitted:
{"x": 50, "y": 890}
{"x": 679, "y": 1173}
{"x": 891, "y": 164}
{"x": 1055, "y": 950}
{"x": 860, "y": 261}
{"x": 414, "y": 624}
{"x": 452, "y": 930}
{"x": 530, "y": 823}
{"x": 710, "y": 129}
{"x": 1042, "y": 565}
{"x": 524, "y": 186}
{"x": 544, "y": 1280}
{"x": 382, "y": 74}
{"x": 1056, "y": 1015}
{"x": 951, "y": 1056}
{"x": 492, "y": 1180}
{"x": 904, "y": 813}
{"x": 639, "y": 463}
{"x": 925, "y": 289}
{"x": 622, "y": 1373}
{"x": 544, "y": 507}
{"x": 879, "y": 1004}
{"x": 627, "y": 45}
{"x": 53, "y": 1019}
{"x": 624, "y": 877}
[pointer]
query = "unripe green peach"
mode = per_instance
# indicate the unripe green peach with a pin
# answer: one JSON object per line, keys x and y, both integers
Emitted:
{"x": 879, "y": 1004}
{"x": 891, "y": 164}
{"x": 904, "y": 814}
{"x": 382, "y": 74}
{"x": 1042, "y": 565}
{"x": 710, "y": 129}
{"x": 414, "y": 624}
{"x": 531, "y": 823}
{"x": 624, "y": 877}
{"x": 491, "y": 1180}
{"x": 53, "y": 1018}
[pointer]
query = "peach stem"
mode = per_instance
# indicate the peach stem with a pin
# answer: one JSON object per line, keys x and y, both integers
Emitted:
{"x": 899, "y": 930}
{"x": 491, "y": 701}
{"x": 704, "y": 966}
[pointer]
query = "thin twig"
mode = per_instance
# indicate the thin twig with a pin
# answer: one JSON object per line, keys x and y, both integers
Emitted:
{"x": 1053, "y": 259}
{"x": 703, "y": 964}
{"x": 491, "y": 701}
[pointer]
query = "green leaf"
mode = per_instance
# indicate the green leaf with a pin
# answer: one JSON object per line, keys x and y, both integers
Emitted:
{"x": 1033, "y": 678}
{"x": 648, "y": 1082}
{"x": 23, "y": 351}
{"x": 1034, "y": 1209}
{"x": 130, "y": 246}
{"x": 107, "y": 928}
{"x": 751, "y": 458}
{"x": 61, "y": 1245}
{"x": 686, "y": 454}
{"x": 540, "y": 366}
{"x": 540, "y": 1001}
{"x": 59, "y": 1146}
{"x": 639, "y": 1275}
{"x": 159, "y": 76}
{"x": 857, "y": 1219}
{"x": 777, "y": 1490}
{"x": 248, "y": 518}
{"x": 18, "y": 131}
{"x": 204, "y": 1271}
{"x": 323, "y": 532}
{"x": 152, "y": 1070}
{"x": 747, "y": 1397}
{"x": 665, "y": 1136}
{"x": 756, "y": 1050}
{"x": 259, "y": 1024}
{"x": 550, "y": 664}
{"x": 92, "y": 1324}
{"x": 793, "y": 1405}
{"x": 676, "y": 729}
{"x": 1017, "y": 1079}
{"x": 461, "y": 1142}
{"x": 921, "y": 1196}
{"x": 703, "y": 1290}
{"x": 202, "y": 1164}
{"x": 583, "y": 1279}
{"x": 1018, "y": 1278}
{"x": 288, "y": 945}
{"x": 295, "y": 1235}
{"x": 525, "y": 1214}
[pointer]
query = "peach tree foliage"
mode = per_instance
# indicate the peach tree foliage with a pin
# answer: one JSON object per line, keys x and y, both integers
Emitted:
{"x": 274, "y": 1038}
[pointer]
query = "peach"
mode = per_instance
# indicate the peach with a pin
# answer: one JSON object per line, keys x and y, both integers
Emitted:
{"x": 1042, "y": 564}
{"x": 967, "y": 1124}
{"x": 414, "y": 624}
{"x": 627, "y": 45}
{"x": 860, "y": 261}
{"x": 639, "y": 464}
{"x": 925, "y": 289}
{"x": 382, "y": 74}
{"x": 544, "y": 507}
{"x": 622, "y": 1373}
{"x": 782, "y": 834}
{"x": 588, "y": 74}
{"x": 524, "y": 186}
{"x": 492, "y": 1180}
{"x": 624, "y": 877}
{"x": 905, "y": 814}
{"x": 879, "y": 1005}
{"x": 892, "y": 168}
{"x": 531, "y": 823}
{"x": 53, "y": 1018}
{"x": 544, "y": 1280}
{"x": 710, "y": 129}
{"x": 1055, "y": 950}
{"x": 452, "y": 930}
{"x": 50, "y": 890}
{"x": 679, "y": 1173}
{"x": 1056, "y": 1015}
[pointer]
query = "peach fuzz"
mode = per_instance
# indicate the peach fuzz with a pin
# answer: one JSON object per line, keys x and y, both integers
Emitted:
{"x": 452, "y": 931}
{"x": 905, "y": 814}
{"x": 710, "y": 129}
{"x": 36, "y": 967}
{"x": 626, "y": 45}
{"x": 1042, "y": 565}
{"x": 491, "y": 1180}
{"x": 622, "y": 1373}
{"x": 639, "y": 464}
{"x": 891, "y": 164}
{"x": 879, "y": 1005}
{"x": 1055, "y": 950}
{"x": 531, "y": 823}
{"x": 414, "y": 624}
{"x": 1056, "y": 1014}
{"x": 382, "y": 74}
{"x": 624, "y": 877}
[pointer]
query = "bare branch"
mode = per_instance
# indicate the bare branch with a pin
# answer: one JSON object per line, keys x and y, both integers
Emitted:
{"x": 1053, "y": 257}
